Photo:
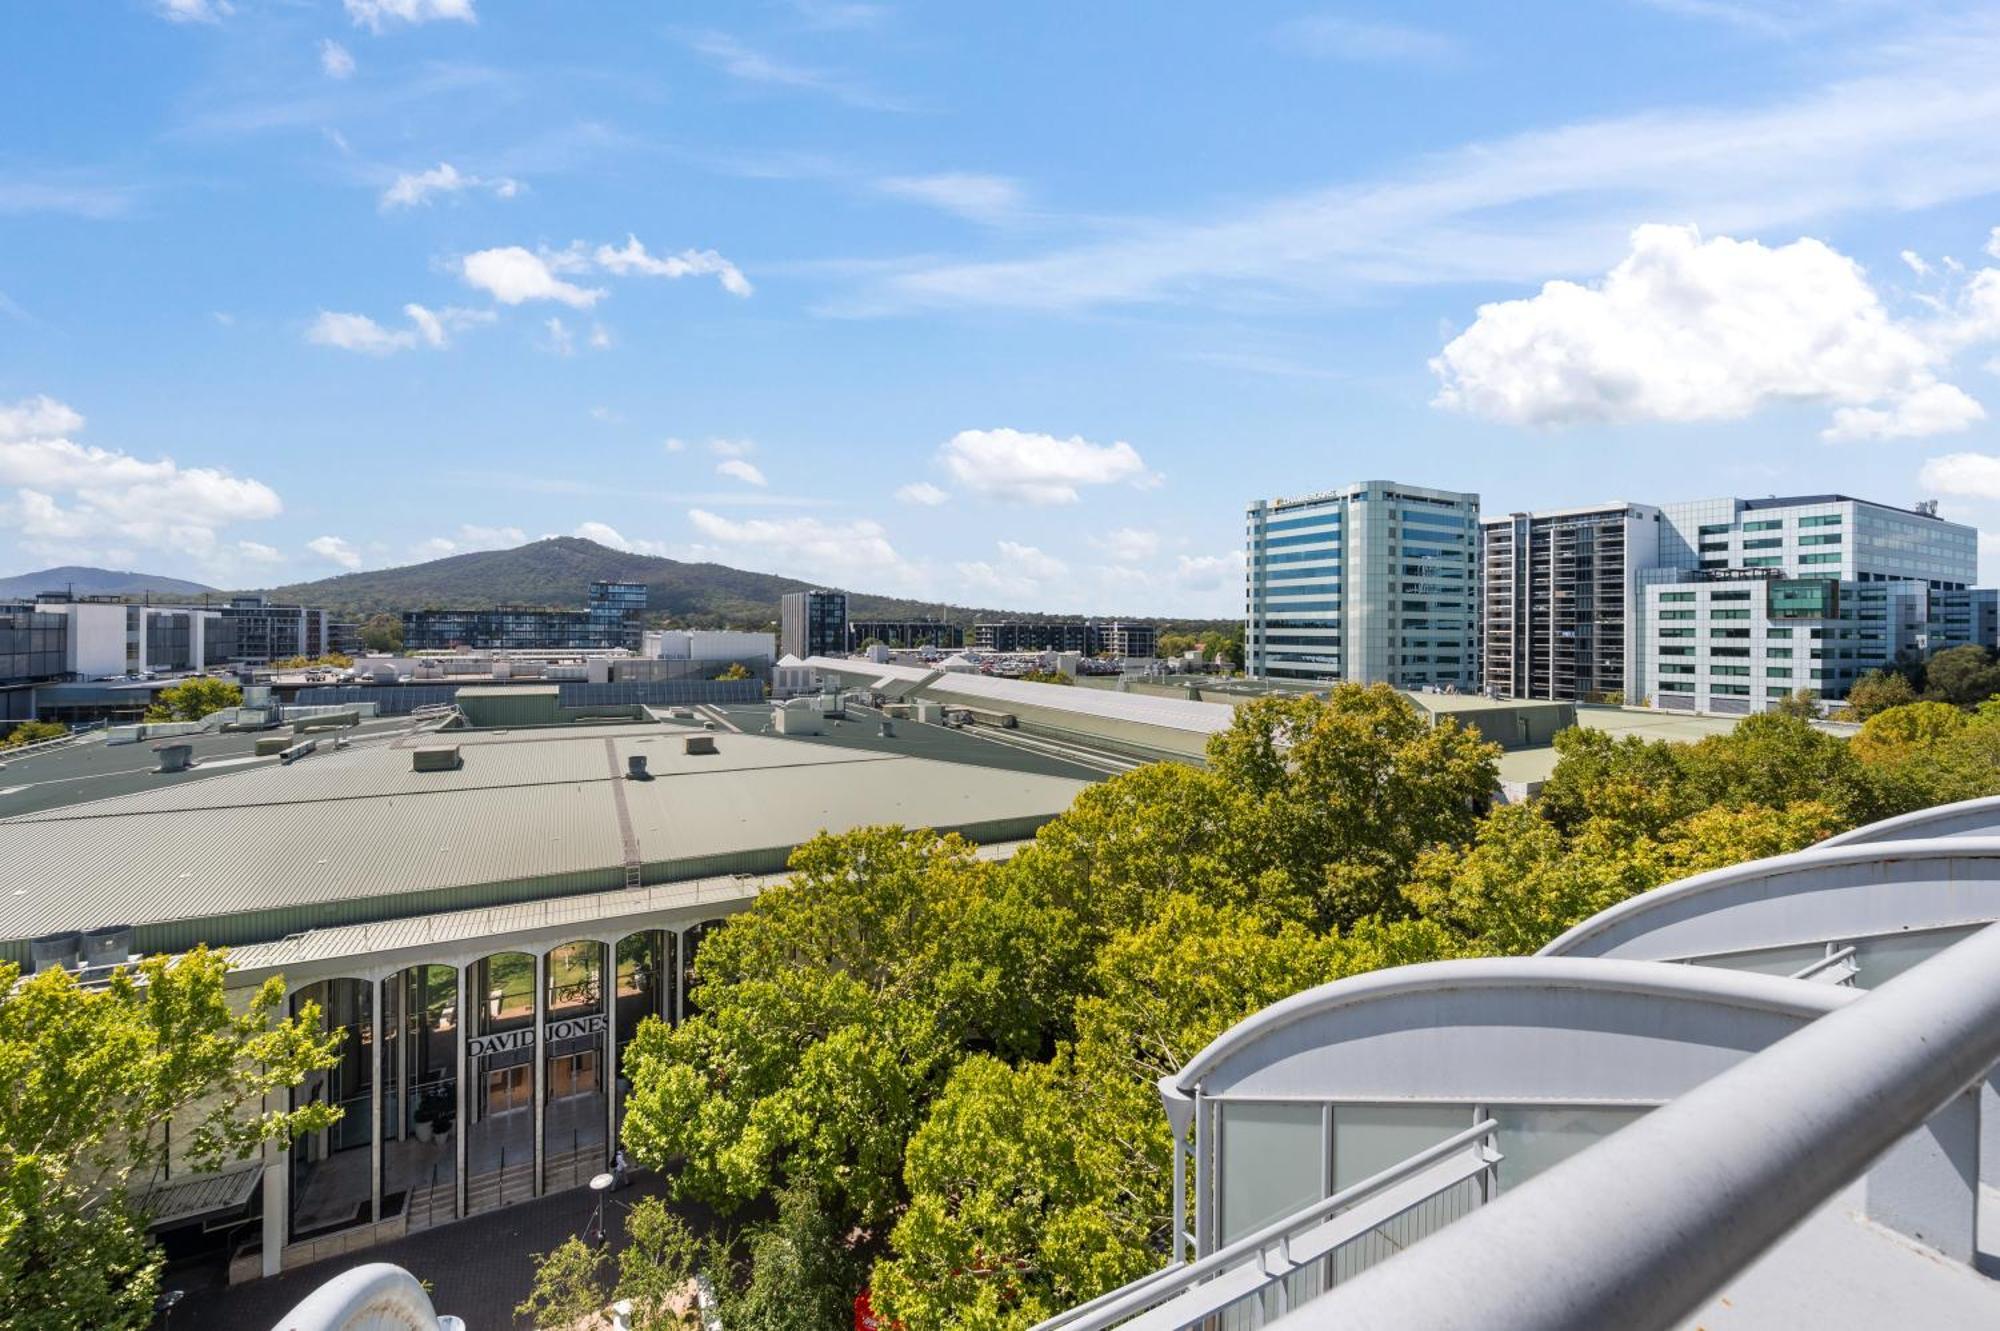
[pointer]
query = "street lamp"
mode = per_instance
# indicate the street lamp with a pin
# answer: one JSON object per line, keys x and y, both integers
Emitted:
{"x": 599, "y": 1184}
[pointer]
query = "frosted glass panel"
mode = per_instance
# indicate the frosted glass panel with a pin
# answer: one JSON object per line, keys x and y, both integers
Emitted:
{"x": 1367, "y": 1139}
{"x": 1273, "y": 1163}
{"x": 1883, "y": 959}
{"x": 1538, "y": 1138}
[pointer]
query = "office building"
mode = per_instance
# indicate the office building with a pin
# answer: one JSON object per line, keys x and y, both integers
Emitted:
{"x": 252, "y": 631}
{"x": 1086, "y": 637}
{"x": 1757, "y": 599}
{"x": 1559, "y": 601}
{"x": 614, "y": 620}
{"x": 1374, "y": 583}
{"x": 905, "y": 633}
{"x": 812, "y": 623}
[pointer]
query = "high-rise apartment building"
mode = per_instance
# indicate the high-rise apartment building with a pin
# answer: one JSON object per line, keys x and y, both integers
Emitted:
{"x": 1560, "y": 601}
{"x": 1375, "y": 582}
{"x": 618, "y": 614}
{"x": 1756, "y": 599}
{"x": 813, "y": 623}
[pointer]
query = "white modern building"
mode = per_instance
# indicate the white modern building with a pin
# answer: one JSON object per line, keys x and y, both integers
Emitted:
{"x": 1374, "y": 583}
{"x": 1756, "y": 599}
{"x": 711, "y": 645}
{"x": 1560, "y": 601}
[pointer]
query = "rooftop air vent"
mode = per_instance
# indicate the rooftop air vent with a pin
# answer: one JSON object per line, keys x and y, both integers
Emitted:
{"x": 435, "y": 758}
{"x": 107, "y": 946}
{"x": 635, "y": 768}
{"x": 699, "y": 744}
{"x": 57, "y": 952}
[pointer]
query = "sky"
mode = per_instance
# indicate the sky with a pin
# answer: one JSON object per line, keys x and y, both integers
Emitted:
{"x": 1013, "y": 306}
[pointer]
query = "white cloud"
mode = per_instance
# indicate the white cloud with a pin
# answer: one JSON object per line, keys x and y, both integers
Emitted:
{"x": 674, "y": 445}
{"x": 991, "y": 200}
{"x": 857, "y": 549}
{"x": 605, "y": 534}
{"x": 600, "y": 337}
{"x": 1036, "y": 468}
{"x": 1022, "y": 571}
{"x": 358, "y": 332}
{"x": 335, "y": 61}
{"x": 470, "y": 537}
{"x": 741, "y": 470}
{"x": 335, "y": 550}
{"x": 732, "y": 448}
{"x": 1333, "y": 38}
{"x": 633, "y": 258}
{"x": 1915, "y": 262}
{"x": 375, "y": 15}
{"x": 1993, "y": 242}
{"x": 1032, "y": 562}
{"x": 414, "y": 187}
{"x": 1128, "y": 545}
{"x": 749, "y": 66}
{"x": 922, "y": 492}
{"x": 1965, "y": 475}
{"x": 81, "y": 503}
{"x": 195, "y": 11}
{"x": 513, "y": 275}
{"x": 1210, "y": 572}
{"x": 561, "y": 341}
{"x": 1686, "y": 329}
{"x": 256, "y": 552}
{"x": 606, "y": 415}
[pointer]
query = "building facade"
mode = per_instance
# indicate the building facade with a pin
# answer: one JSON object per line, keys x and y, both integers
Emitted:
{"x": 1560, "y": 601}
{"x": 1757, "y": 599}
{"x": 614, "y": 620}
{"x": 1375, "y": 583}
{"x": 905, "y": 633}
{"x": 1086, "y": 637}
{"x": 813, "y": 623}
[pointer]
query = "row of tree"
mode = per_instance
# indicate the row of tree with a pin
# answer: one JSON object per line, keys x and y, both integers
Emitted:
{"x": 1961, "y": 676}
{"x": 948, "y": 1063}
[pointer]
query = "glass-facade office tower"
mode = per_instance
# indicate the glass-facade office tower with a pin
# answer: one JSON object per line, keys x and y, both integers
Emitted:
{"x": 1559, "y": 601}
{"x": 813, "y": 623}
{"x": 618, "y": 615}
{"x": 1756, "y": 599}
{"x": 1375, "y": 583}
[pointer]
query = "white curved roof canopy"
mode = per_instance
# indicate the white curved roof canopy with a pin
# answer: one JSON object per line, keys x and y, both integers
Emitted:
{"x": 1830, "y": 893}
{"x": 1513, "y": 1029}
{"x": 1980, "y": 817}
{"x": 378, "y": 1296}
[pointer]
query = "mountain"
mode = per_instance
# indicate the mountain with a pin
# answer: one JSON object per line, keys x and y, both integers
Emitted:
{"x": 558, "y": 572}
{"x": 101, "y": 582}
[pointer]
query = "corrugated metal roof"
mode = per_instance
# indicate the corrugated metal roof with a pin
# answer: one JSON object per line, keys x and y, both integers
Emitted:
{"x": 1205, "y": 718}
{"x": 363, "y": 838}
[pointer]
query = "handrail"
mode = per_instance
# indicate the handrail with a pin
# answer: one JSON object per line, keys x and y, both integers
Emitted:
{"x": 1831, "y": 959}
{"x": 1644, "y": 1228}
{"x": 1107, "y": 1309}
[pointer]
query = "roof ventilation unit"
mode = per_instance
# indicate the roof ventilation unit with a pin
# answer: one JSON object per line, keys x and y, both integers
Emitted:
{"x": 57, "y": 952}
{"x": 435, "y": 758}
{"x": 108, "y": 946}
{"x": 175, "y": 757}
{"x": 699, "y": 744}
{"x": 635, "y": 768}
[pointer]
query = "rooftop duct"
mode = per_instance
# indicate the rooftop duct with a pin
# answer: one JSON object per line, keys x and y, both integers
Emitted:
{"x": 57, "y": 952}
{"x": 435, "y": 758}
{"x": 635, "y": 768}
{"x": 107, "y": 946}
{"x": 175, "y": 757}
{"x": 699, "y": 744}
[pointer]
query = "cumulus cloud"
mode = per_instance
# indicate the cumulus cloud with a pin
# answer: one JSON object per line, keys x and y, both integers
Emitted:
{"x": 82, "y": 502}
{"x": 1965, "y": 475}
{"x": 195, "y": 11}
{"x": 860, "y": 547}
{"x": 1021, "y": 570}
{"x": 1915, "y": 263}
{"x": 335, "y": 61}
{"x": 512, "y": 275}
{"x": 732, "y": 448}
{"x": 1210, "y": 572}
{"x": 991, "y": 200}
{"x": 1687, "y": 329}
{"x": 1128, "y": 545}
{"x": 605, "y": 534}
{"x": 673, "y": 445}
{"x": 561, "y": 341}
{"x": 335, "y": 550}
{"x": 922, "y": 492}
{"x": 632, "y": 258}
{"x": 358, "y": 332}
{"x": 256, "y": 552}
{"x": 375, "y": 15}
{"x": 1031, "y": 468}
{"x": 739, "y": 469}
{"x": 414, "y": 187}
{"x": 470, "y": 537}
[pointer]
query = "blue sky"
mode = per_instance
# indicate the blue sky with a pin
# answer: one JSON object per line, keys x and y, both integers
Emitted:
{"x": 1010, "y": 305}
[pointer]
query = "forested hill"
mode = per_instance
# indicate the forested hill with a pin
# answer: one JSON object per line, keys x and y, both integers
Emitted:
{"x": 558, "y": 572}
{"x": 84, "y": 581}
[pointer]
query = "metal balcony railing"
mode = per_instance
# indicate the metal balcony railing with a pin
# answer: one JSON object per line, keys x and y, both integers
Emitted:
{"x": 1310, "y": 1251}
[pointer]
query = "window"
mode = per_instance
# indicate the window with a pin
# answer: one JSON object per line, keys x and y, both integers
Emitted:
{"x": 1763, "y": 561}
{"x": 1709, "y": 546}
{"x": 1774, "y": 542}
{"x": 1737, "y": 690}
{"x": 1777, "y": 672}
{"x": 1823, "y": 520}
{"x": 1775, "y": 632}
{"x": 1729, "y": 614}
{"x": 1715, "y": 527}
{"x": 1715, "y": 563}
{"x": 1768, "y": 524}
{"x": 1677, "y": 614}
{"x": 1726, "y": 670}
{"x": 1778, "y": 653}
{"x": 1819, "y": 559}
{"x": 1830, "y": 538}
{"x": 1804, "y": 598}
{"x": 1676, "y": 633}
{"x": 1676, "y": 596}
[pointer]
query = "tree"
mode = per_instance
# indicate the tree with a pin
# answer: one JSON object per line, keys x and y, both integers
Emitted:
{"x": 1877, "y": 691}
{"x": 1801, "y": 704}
{"x": 32, "y": 732}
{"x": 1352, "y": 788}
{"x": 1176, "y": 644}
{"x": 89, "y": 1081}
{"x": 193, "y": 699}
{"x": 576, "y": 1281}
{"x": 382, "y": 633}
{"x": 1047, "y": 677}
{"x": 803, "y": 1271}
{"x": 1962, "y": 676}
{"x": 737, "y": 670}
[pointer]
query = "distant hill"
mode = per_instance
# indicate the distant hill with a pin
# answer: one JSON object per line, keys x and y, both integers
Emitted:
{"x": 100, "y": 582}
{"x": 558, "y": 572}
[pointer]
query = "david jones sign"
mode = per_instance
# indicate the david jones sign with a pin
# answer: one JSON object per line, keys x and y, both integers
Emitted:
{"x": 570, "y": 1028}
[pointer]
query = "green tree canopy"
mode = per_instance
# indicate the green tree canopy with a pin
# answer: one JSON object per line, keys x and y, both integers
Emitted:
{"x": 1962, "y": 676}
{"x": 193, "y": 699}
{"x": 382, "y": 633}
{"x": 89, "y": 1081}
{"x": 1877, "y": 691}
{"x": 32, "y": 732}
